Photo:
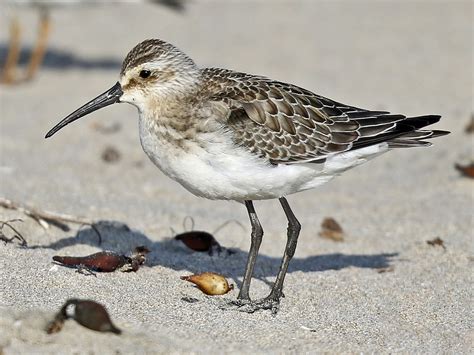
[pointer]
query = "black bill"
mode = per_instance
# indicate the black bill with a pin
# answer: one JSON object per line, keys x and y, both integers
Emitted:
{"x": 109, "y": 97}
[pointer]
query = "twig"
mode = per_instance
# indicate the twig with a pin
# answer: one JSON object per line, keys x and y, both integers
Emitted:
{"x": 16, "y": 235}
{"x": 45, "y": 218}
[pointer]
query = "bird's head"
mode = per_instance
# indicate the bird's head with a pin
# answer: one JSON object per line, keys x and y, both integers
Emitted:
{"x": 153, "y": 72}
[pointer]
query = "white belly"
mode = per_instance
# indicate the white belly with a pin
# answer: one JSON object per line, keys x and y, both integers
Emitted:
{"x": 216, "y": 169}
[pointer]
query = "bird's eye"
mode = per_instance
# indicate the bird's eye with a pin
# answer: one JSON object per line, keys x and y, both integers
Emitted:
{"x": 145, "y": 74}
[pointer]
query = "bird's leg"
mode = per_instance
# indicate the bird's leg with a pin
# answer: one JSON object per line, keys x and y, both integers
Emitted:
{"x": 38, "y": 52}
{"x": 257, "y": 234}
{"x": 8, "y": 72}
{"x": 293, "y": 232}
{"x": 272, "y": 301}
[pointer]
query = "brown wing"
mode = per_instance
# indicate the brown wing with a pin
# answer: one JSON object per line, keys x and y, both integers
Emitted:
{"x": 287, "y": 124}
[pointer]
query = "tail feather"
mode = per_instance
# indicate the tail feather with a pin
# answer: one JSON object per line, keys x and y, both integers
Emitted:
{"x": 439, "y": 133}
{"x": 406, "y": 143}
{"x": 404, "y": 133}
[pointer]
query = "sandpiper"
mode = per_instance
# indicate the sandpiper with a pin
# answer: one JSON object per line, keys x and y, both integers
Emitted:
{"x": 234, "y": 136}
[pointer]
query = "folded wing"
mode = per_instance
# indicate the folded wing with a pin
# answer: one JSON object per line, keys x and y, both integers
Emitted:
{"x": 288, "y": 124}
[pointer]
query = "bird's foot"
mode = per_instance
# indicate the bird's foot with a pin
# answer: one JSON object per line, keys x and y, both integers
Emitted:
{"x": 244, "y": 305}
{"x": 267, "y": 303}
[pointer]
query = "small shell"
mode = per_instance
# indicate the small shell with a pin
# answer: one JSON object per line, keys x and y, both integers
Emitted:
{"x": 210, "y": 283}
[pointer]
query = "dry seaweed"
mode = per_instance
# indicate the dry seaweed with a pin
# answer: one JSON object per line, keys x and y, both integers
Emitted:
{"x": 46, "y": 218}
{"x": 16, "y": 235}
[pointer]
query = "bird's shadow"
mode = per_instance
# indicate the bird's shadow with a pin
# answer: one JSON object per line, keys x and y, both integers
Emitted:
{"x": 170, "y": 253}
{"x": 60, "y": 59}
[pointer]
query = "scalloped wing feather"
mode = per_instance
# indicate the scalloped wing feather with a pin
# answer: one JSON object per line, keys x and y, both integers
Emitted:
{"x": 288, "y": 124}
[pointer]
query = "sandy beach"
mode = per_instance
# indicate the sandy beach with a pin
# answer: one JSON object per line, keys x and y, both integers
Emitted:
{"x": 383, "y": 289}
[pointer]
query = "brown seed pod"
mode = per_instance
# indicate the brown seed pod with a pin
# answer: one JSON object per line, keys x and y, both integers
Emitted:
{"x": 198, "y": 240}
{"x": 330, "y": 229}
{"x": 94, "y": 316}
{"x": 203, "y": 241}
{"x": 210, "y": 283}
{"x": 104, "y": 261}
{"x": 89, "y": 314}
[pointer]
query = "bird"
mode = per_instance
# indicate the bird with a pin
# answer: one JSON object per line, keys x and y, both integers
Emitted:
{"x": 228, "y": 135}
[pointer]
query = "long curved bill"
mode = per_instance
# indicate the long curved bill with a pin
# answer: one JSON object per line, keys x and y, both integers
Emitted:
{"x": 109, "y": 97}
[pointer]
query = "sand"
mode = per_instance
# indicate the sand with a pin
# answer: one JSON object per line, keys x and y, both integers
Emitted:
{"x": 409, "y": 57}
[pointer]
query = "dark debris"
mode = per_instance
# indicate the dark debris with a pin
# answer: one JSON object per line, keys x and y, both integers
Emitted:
{"x": 436, "y": 241}
{"x": 383, "y": 270}
{"x": 330, "y": 229}
{"x": 189, "y": 299}
{"x": 470, "y": 126}
{"x": 110, "y": 155}
{"x": 466, "y": 170}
